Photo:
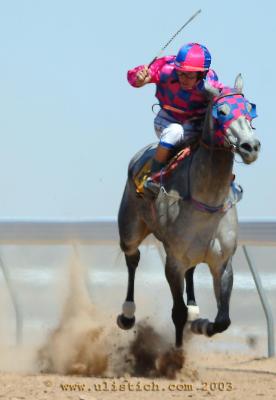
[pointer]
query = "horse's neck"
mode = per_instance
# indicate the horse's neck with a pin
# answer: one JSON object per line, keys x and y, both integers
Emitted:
{"x": 210, "y": 175}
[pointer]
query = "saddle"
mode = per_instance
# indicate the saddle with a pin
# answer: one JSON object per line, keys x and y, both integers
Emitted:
{"x": 143, "y": 173}
{"x": 143, "y": 170}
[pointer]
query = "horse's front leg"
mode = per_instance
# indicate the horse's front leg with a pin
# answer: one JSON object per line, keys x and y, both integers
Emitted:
{"x": 132, "y": 231}
{"x": 126, "y": 320}
{"x": 223, "y": 283}
{"x": 193, "y": 309}
{"x": 175, "y": 277}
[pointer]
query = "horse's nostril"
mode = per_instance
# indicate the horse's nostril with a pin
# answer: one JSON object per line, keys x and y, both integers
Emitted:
{"x": 257, "y": 146}
{"x": 247, "y": 147}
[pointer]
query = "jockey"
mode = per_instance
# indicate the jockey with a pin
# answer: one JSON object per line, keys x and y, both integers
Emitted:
{"x": 182, "y": 97}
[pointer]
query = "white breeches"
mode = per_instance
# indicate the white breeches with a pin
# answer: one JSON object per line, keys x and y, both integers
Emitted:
{"x": 172, "y": 133}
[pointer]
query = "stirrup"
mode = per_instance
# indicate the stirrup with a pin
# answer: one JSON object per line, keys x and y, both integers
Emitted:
{"x": 153, "y": 187}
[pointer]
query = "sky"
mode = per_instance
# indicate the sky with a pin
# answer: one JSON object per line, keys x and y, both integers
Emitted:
{"x": 69, "y": 120}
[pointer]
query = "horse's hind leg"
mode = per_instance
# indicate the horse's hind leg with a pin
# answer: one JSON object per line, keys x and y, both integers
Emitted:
{"x": 193, "y": 309}
{"x": 223, "y": 283}
{"x": 132, "y": 231}
{"x": 175, "y": 277}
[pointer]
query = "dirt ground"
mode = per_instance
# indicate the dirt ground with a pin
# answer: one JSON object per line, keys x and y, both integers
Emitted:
{"x": 217, "y": 376}
{"x": 87, "y": 357}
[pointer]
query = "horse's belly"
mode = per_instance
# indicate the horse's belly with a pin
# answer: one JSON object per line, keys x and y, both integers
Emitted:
{"x": 202, "y": 243}
{"x": 190, "y": 251}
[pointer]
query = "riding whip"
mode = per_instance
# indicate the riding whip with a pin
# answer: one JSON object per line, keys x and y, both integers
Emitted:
{"x": 171, "y": 39}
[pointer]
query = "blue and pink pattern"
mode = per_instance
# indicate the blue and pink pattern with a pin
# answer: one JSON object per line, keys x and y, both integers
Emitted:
{"x": 193, "y": 57}
{"x": 238, "y": 107}
{"x": 192, "y": 103}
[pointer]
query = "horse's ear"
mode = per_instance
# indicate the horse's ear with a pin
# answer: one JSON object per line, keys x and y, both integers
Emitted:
{"x": 214, "y": 92}
{"x": 239, "y": 83}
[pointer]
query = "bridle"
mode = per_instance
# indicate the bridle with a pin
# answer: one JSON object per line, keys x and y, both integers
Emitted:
{"x": 232, "y": 147}
{"x": 229, "y": 202}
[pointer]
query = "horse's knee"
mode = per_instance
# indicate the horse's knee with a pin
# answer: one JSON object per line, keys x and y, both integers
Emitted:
{"x": 130, "y": 249}
{"x": 133, "y": 259}
{"x": 125, "y": 247}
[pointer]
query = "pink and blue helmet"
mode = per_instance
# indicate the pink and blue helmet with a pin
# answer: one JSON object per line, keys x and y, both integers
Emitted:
{"x": 193, "y": 57}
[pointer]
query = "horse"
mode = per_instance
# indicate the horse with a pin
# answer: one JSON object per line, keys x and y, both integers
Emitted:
{"x": 194, "y": 214}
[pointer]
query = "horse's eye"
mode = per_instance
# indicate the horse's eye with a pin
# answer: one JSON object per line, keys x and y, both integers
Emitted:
{"x": 249, "y": 107}
{"x": 224, "y": 109}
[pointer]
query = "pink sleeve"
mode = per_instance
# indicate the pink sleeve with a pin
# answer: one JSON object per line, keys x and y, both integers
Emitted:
{"x": 155, "y": 69}
{"x": 132, "y": 73}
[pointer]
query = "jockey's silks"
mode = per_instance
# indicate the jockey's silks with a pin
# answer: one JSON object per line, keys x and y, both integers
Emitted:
{"x": 192, "y": 103}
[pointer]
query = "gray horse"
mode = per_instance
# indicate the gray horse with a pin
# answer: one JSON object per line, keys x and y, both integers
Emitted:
{"x": 194, "y": 215}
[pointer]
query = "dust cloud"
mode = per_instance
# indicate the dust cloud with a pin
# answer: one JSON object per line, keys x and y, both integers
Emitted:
{"x": 87, "y": 342}
{"x": 79, "y": 345}
{"x": 153, "y": 355}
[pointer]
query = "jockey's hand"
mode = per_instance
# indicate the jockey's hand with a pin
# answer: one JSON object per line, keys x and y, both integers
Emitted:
{"x": 143, "y": 76}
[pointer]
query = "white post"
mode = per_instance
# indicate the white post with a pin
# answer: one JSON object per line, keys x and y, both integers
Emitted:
{"x": 265, "y": 304}
{"x": 18, "y": 316}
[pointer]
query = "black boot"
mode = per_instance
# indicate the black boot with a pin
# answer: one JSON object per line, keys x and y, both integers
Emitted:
{"x": 154, "y": 187}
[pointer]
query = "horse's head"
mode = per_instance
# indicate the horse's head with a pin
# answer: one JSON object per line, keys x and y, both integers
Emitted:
{"x": 229, "y": 121}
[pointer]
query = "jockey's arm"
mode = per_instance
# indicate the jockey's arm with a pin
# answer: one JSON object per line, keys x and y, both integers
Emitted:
{"x": 143, "y": 75}
{"x": 139, "y": 76}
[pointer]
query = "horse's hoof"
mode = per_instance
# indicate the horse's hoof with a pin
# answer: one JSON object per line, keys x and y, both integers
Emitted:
{"x": 124, "y": 322}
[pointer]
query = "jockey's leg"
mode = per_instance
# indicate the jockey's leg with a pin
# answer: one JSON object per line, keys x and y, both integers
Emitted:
{"x": 161, "y": 157}
{"x": 170, "y": 134}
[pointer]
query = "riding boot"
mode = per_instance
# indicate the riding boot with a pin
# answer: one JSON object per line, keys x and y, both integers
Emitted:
{"x": 150, "y": 184}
